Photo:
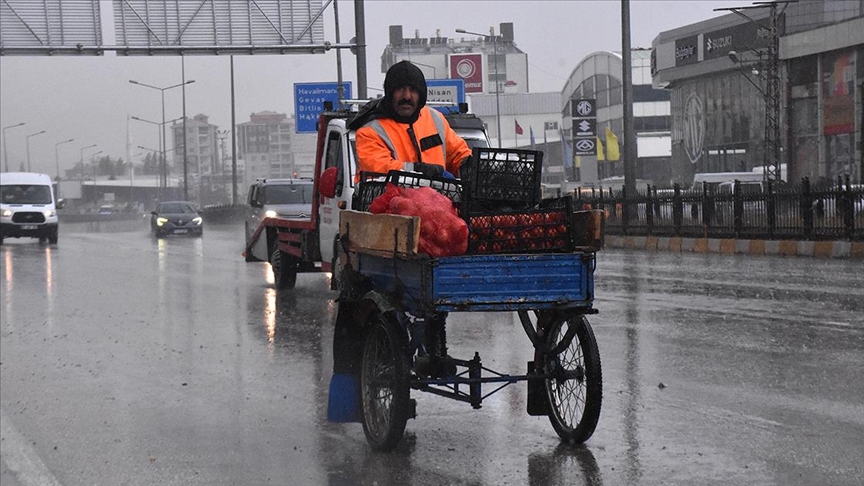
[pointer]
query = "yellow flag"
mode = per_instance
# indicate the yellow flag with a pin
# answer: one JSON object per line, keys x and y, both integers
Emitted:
{"x": 600, "y": 155}
{"x": 611, "y": 145}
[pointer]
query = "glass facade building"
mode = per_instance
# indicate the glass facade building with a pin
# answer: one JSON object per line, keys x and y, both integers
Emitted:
{"x": 717, "y": 73}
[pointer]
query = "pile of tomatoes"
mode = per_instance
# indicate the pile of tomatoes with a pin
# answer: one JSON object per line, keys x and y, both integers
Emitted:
{"x": 544, "y": 230}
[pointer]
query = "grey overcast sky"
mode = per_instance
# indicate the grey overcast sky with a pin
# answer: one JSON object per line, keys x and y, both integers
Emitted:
{"x": 89, "y": 98}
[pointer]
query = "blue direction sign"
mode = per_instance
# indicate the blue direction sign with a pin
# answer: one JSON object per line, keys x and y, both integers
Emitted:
{"x": 309, "y": 101}
{"x": 450, "y": 91}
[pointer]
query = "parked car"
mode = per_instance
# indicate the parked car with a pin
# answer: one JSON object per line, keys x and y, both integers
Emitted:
{"x": 176, "y": 218}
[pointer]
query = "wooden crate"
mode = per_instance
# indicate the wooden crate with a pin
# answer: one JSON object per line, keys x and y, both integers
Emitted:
{"x": 382, "y": 234}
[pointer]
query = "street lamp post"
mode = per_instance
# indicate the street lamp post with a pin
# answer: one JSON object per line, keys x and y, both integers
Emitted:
{"x": 5, "y": 154}
{"x": 772, "y": 93}
{"x": 28, "y": 147}
{"x": 161, "y": 152}
{"x": 81, "y": 174}
{"x": 164, "y": 168}
{"x": 81, "y": 159}
{"x": 93, "y": 163}
{"x": 495, "y": 63}
{"x": 57, "y": 156}
{"x": 434, "y": 71}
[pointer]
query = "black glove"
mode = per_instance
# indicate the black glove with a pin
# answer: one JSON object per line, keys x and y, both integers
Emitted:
{"x": 429, "y": 170}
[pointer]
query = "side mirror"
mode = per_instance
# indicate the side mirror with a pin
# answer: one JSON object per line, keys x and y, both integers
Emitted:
{"x": 327, "y": 183}
{"x": 60, "y": 203}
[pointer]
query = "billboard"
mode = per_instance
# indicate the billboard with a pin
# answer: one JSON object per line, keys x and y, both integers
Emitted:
{"x": 469, "y": 68}
{"x": 742, "y": 37}
{"x": 686, "y": 50}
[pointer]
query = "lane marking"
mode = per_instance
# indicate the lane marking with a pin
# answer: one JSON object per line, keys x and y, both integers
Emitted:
{"x": 21, "y": 458}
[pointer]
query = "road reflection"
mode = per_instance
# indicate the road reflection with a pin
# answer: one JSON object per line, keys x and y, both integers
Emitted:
{"x": 33, "y": 272}
{"x": 632, "y": 296}
{"x": 565, "y": 465}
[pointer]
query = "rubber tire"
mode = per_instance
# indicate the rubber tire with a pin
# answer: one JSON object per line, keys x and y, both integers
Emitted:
{"x": 53, "y": 237}
{"x": 248, "y": 257}
{"x": 385, "y": 395}
{"x": 574, "y": 403}
{"x": 284, "y": 270}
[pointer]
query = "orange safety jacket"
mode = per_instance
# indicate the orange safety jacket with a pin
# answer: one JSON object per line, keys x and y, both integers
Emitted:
{"x": 384, "y": 144}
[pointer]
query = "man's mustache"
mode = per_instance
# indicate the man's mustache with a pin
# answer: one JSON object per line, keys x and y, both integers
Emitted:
{"x": 406, "y": 102}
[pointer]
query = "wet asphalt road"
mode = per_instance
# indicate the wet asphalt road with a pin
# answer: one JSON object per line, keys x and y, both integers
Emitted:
{"x": 127, "y": 361}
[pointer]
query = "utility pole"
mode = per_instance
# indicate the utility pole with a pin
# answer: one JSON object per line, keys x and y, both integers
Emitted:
{"x": 772, "y": 93}
{"x": 630, "y": 154}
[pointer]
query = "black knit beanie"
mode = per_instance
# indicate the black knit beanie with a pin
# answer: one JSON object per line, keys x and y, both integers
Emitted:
{"x": 399, "y": 75}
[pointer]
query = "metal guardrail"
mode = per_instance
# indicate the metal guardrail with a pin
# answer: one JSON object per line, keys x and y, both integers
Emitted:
{"x": 796, "y": 213}
{"x": 225, "y": 213}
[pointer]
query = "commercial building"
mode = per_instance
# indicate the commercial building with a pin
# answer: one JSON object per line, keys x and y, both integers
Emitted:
{"x": 597, "y": 138}
{"x": 725, "y": 112}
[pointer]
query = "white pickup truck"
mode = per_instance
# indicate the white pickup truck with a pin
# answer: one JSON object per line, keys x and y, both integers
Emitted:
{"x": 307, "y": 244}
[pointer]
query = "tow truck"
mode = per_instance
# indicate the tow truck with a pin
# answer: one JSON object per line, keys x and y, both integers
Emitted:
{"x": 308, "y": 244}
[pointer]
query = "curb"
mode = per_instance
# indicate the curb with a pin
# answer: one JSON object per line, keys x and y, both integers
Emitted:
{"x": 729, "y": 246}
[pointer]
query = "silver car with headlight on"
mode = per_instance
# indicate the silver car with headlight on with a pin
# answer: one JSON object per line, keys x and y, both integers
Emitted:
{"x": 285, "y": 198}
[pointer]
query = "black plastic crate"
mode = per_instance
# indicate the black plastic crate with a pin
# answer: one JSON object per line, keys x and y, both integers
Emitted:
{"x": 542, "y": 230}
{"x": 452, "y": 188}
{"x": 366, "y": 192}
{"x": 502, "y": 176}
{"x": 373, "y": 185}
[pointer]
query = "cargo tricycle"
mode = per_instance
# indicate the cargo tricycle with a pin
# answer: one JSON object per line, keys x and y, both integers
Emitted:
{"x": 390, "y": 337}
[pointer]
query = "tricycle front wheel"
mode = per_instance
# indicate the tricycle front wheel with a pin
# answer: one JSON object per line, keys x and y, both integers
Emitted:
{"x": 575, "y": 391}
{"x": 384, "y": 382}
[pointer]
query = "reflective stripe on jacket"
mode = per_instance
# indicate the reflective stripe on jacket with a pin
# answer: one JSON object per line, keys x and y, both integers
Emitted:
{"x": 384, "y": 144}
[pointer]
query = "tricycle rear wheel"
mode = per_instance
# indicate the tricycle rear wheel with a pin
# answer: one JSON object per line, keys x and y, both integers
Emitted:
{"x": 575, "y": 391}
{"x": 384, "y": 382}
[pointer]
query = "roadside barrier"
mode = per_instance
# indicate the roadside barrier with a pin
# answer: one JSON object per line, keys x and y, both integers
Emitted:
{"x": 729, "y": 246}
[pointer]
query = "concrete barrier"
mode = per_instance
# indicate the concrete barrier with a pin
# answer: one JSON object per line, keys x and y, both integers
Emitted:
{"x": 815, "y": 249}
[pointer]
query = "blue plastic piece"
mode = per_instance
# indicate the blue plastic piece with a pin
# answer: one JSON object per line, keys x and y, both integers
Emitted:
{"x": 344, "y": 399}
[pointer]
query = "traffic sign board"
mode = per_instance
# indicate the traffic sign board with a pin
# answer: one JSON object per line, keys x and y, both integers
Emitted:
{"x": 449, "y": 91}
{"x": 309, "y": 101}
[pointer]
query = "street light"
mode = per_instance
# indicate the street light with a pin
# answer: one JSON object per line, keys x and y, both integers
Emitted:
{"x": 434, "y": 71}
{"x": 57, "y": 156}
{"x": 773, "y": 85}
{"x": 93, "y": 163}
{"x": 162, "y": 148}
{"x": 495, "y": 58}
{"x": 81, "y": 160}
{"x": 28, "y": 147}
{"x": 6, "y": 155}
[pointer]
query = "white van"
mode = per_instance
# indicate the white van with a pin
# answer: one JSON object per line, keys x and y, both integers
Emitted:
{"x": 28, "y": 207}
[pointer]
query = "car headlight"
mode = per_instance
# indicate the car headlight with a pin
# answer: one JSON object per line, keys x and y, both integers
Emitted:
{"x": 270, "y": 214}
{"x": 198, "y": 220}
{"x": 7, "y": 213}
{"x": 50, "y": 213}
{"x": 161, "y": 221}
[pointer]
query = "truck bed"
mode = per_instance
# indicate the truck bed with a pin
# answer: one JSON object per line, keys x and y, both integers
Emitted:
{"x": 484, "y": 282}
